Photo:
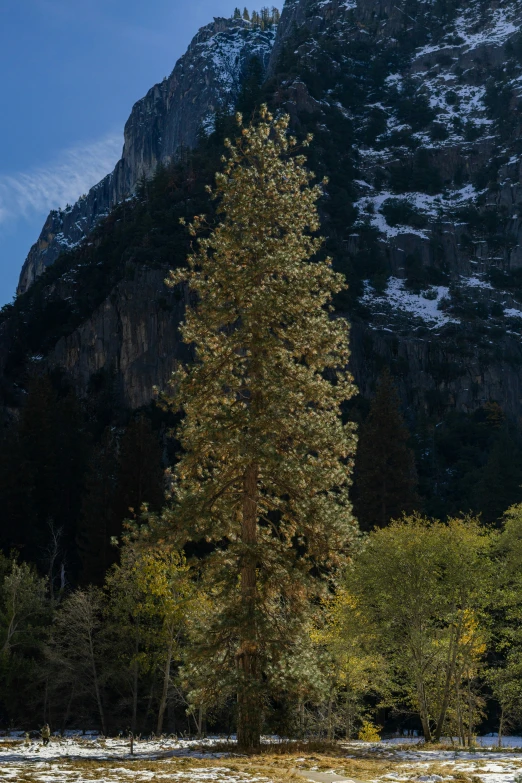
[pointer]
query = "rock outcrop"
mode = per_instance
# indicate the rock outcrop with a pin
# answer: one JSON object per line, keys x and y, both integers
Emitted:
{"x": 170, "y": 117}
{"x": 133, "y": 336}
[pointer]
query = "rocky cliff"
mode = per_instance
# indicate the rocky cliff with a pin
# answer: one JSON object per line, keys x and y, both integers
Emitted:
{"x": 205, "y": 80}
{"x": 429, "y": 101}
{"x": 415, "y": 110}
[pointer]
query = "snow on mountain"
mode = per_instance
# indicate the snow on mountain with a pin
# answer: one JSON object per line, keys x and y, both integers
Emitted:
{"x": 171, "y": 116}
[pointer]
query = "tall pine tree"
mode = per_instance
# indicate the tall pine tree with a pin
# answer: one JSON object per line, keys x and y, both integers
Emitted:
{"x": 266, "y": 462}
{"x": 386, "y": 478}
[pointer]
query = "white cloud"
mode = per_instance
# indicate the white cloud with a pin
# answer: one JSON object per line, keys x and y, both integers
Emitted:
{"x": 60, "y": 182}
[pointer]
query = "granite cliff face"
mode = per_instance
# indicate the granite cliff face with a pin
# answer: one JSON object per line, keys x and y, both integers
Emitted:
{"x": 132, "y": 334}
{"x": 171, "y": 116}
{"x": 430, "y": 94}
{"x": 415, "y": 110}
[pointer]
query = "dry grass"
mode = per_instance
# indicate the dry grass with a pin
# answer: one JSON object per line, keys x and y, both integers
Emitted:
{"x": 10, "y": 744}
{"x": 274, "y": 764}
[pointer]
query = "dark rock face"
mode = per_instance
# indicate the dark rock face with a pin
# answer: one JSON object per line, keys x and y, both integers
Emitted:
{"x": 171, "y": 116}
{"x": 438, "y": 166}
{"x": 133, "y": 335}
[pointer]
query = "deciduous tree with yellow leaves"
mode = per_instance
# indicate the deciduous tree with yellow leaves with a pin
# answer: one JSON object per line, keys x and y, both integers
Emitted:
{"x": 418, "y": 598}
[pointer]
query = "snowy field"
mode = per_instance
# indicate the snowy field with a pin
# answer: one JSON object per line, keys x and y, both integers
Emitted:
{"x": 77, "y": 759}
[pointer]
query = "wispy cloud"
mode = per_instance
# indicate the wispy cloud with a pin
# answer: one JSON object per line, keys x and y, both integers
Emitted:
{"x": 60, "y": 182}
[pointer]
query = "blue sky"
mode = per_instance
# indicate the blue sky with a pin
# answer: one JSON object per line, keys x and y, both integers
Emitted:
{"x": 70, "y": 71}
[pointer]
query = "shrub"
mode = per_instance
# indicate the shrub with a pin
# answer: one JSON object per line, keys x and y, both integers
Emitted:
{"x": 369, "y": 732}
{"x": 438, "y": 132}
{"x": 402, "y": 212}
{"x": 471, "y": 131}
{"x": 452, "y": 98}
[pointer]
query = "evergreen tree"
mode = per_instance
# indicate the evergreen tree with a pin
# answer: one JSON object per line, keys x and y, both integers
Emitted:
{"x": 24, "y": 619}
{"x": 249, "y": 98}
{"x": 237, "y": 13}
{"x": 49, "y": 452}
{"x": 98, "y": 519}
{"x": 246, "y": 15}
{"x": 140, "y": 474}
{"x": 266, "y": 462}
{"x": 500, "y": 485}
{"x": 71, "y": 445}
{"x": 16, "y": 502}
{"x": 385, "y": 464}
{"x": 120, "y": 478}
{"x": 39, "y": 459}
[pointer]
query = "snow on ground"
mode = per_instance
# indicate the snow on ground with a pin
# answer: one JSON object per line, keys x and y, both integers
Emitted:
{"x": 500, "y": 28}
{"x": 78, "y": 759}
{"x": 224, "y": 52}
{"x": 95, "y": 747}
{"x": 423, "y": 305}
{"x": 502, "y": 25}
{"x": 436, "y": 206}
{"x": 512, "y": 312}
{"x": 477, "y": 282}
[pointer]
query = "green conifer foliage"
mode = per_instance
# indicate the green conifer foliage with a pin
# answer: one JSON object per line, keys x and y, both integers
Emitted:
{"x": 501, "y": 477}
{"x": 266, "y": 463}
{"x": 251, "y": 87}
{"x": 386, "y": 475}
{"x": 41, "y": 469}
{"x": 140, "y": 475}
{"x": 98, "y": 521}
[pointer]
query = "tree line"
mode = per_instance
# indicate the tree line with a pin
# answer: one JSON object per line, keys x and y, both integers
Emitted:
{"x": 424, "y": 628}
{"x": 263, "y": 19}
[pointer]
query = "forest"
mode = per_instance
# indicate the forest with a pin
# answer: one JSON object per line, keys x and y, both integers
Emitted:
{"x": 196, "y": 565}
{"x": 423, "y": 632}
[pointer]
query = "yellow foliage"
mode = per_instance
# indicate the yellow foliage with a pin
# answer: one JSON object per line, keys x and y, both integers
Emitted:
{"x": 369, "y": 732}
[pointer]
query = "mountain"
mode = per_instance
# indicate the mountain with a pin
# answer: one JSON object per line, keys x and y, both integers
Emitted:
{"x": 170, "y": 117}
{"x": 415, "y": 111}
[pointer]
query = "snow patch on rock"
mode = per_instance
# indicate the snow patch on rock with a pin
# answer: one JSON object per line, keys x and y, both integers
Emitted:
{"x": 424, "y": 305}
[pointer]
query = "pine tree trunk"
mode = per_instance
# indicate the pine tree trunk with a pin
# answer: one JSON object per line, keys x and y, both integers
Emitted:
{"x": 301, "y": 710}
{"x": 459, "y": 716}
{"x": 248, "y": 697}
